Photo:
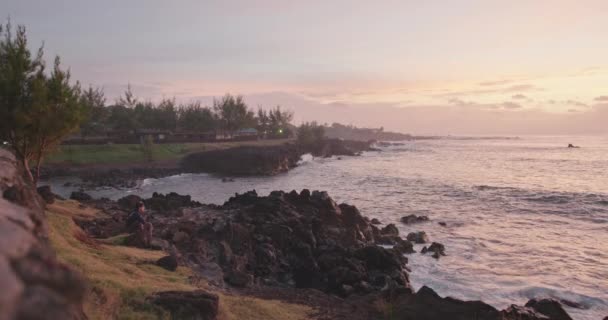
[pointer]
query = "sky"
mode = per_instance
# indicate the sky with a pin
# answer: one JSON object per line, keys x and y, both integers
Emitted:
{"x": 425, "y": 67}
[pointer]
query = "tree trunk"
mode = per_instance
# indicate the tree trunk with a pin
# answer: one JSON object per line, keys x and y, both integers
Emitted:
{"x": 26, "y": 167}
{"x": 36, "y": 177}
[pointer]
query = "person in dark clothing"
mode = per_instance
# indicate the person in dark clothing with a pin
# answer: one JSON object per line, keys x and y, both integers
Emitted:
{"x": 137, "y": 223}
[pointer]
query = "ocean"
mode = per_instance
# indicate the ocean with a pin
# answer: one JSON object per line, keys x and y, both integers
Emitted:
{"x": 525, "y": 217}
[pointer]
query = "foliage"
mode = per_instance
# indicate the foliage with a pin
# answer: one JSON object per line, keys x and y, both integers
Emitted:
{"x": 274, "y": 123}
{"x": 36, "y": 109}
{"x": 93, "y": 101}
{"x": 233, "y": 114}
{"x": 310, "y": 133}
{"x": 193, "y": 117}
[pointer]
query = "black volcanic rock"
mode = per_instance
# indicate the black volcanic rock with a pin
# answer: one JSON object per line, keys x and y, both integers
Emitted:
{"x": 418, "y": 237}
{"x": 197, "y": 304}
{"x": 244, "y": 161}
{"x": 412, "y": 218}
{"x": 288, "y": 239}
{"x": 80, "y": 196}
{"x": 46, "y": 194}
{"x": 549, "y": 307}
{"x": 167, "y": 263}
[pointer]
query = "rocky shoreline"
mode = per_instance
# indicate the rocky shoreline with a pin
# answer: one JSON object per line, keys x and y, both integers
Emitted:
{"x": 301, "y": 241}
{"x": 237, "y": 161}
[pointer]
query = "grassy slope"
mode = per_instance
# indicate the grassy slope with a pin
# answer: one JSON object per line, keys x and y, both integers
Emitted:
{"x": 126, "y": 153}
{"x": 121, "y": 277}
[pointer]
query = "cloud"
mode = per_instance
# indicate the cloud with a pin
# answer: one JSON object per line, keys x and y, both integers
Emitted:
{"x": 519, "y": 96}
{"x": 509, "y": 89}
{"x": 511, "y": 105}
{"x": 601, "y": 98}
{"x": 494, "y": 83}
{"x": 576, "y": 103}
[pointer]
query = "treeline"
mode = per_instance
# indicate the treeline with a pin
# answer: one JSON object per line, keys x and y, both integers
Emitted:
{"x": 350, "y": 132}
{"x": 40, "y": 107}
{"x": 227, "y": 115}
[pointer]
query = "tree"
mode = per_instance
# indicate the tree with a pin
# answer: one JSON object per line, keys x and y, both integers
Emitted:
{"x": 279, "y": 121}
{"x": 36, "y": 110}
{"x": 129, "y": 100}
{"x": 93, "y": 101}
{"x": 310, "y": 133}
{"x": 193, "y": 117}
{"x": 263, "y": 122}
{"x": 233, "y": 113}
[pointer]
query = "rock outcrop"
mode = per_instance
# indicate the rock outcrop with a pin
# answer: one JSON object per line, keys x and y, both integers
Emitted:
{"x": 199, "y": 304}
{"x": 34, "y": 284}
{"x": 412, "y": 218}
{"x": 244, "y": 161}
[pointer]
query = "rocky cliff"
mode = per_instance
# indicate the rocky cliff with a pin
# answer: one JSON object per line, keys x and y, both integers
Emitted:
{"x": 34, "y": 284}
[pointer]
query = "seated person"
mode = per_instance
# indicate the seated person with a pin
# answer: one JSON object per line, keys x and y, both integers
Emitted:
{"x": 137, "y": 223}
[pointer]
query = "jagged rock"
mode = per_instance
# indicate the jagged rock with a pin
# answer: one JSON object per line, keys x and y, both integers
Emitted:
{"x": 428, "y": 305}
{"x": 46, "y": 194}
{"x": 549, "y": 307}
{"x": 404, "y": 246}
{"x": 412, "y": 218}
{"x": 171, "y": 201}
{"x": 390, "y": 230}
{"x": 376, "y": 221}
{"x": 436, "y": 248}
{"x": 239, "y": 279}
{"x": 128, "y": 203}
{"x": 80, "y": 196}
{"x": 167, "y": 263}
{"x": 198, "y": 305}
{"x": 515, "y": 312}
{"x": 418, "y": 237}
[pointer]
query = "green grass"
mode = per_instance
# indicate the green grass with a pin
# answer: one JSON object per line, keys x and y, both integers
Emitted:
{"x": 134, "y": 153}
{"x": 120, "y": 278}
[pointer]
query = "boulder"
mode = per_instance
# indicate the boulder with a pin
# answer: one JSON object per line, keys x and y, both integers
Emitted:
{"x": 412, "y": 218}
{"x": 80, "y": 196}
{"x": 375, "y": 221}
{"x": 238, "y": 278}
{"x": 436, "y": 248}
{"x": 549, "y": 307}
{"x": 404, "y": 246}
{"x": 46, "y": 194}
{"x": 418, "y": 237}
{"x": 198, "y": 304}
{"x": 167, "y": 263}
{"x": 128, "y": 203}
{"x": 34, "y": 284}
{"x": 390, "y": 230}
{"x": 428, "y": 305}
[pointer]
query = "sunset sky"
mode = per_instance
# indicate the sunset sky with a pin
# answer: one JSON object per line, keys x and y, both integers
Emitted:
{"x": 431, "y": 67}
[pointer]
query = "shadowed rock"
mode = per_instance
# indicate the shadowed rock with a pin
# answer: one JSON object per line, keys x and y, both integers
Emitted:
{"x": 34, "y": 284}
{"x": 198, "y": 305}
{"x": 549, "y": 307}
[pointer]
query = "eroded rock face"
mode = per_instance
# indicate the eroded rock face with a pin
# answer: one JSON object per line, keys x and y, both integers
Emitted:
{"x": 244, "y": 161}
{"x": 34, "y": 284}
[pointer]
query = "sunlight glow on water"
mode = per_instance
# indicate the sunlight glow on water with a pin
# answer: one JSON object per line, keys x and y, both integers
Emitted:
{"x": 525, "y": 218}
